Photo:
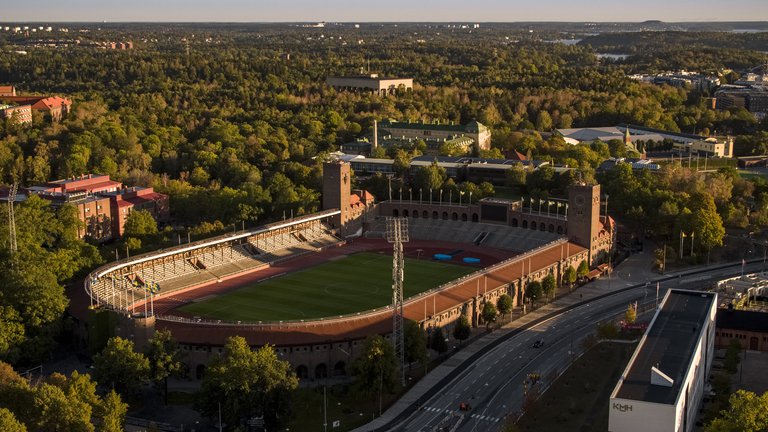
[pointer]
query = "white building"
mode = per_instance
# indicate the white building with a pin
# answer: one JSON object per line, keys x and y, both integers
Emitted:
{"x": 371, "y": 83}
{"x": 662, "y": 387}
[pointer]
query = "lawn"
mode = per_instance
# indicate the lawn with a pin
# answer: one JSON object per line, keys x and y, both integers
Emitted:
{"x": 578, "y": 400}
{"x": 353, "y": 283}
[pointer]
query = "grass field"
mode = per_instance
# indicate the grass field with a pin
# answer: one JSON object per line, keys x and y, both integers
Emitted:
{"x": 350, "y": 284}
{"x": 578, "y": 400}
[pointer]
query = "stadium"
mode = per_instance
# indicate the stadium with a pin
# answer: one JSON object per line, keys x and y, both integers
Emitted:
{"x": 315, "y": 286}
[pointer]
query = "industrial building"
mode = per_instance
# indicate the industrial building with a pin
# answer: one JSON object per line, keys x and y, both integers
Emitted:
{"x": 372, "y": 83}
{"x": 662, "y": 387}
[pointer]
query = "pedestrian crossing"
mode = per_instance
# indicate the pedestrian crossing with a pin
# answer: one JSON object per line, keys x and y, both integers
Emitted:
{"x": 485, "y": 418}
{"x": 474, "y": 416}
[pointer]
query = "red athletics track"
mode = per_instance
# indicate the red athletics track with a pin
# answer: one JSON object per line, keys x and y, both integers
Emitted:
{"x": 428, "y": 248}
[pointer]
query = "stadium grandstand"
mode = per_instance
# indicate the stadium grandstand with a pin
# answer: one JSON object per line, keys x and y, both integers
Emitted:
{"x": 117, "y": 285}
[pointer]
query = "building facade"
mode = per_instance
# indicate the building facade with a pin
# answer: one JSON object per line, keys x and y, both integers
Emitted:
{"x": 17, "y": 114}
{"x": 748, "y": 328}
{"x": 371, "y": 83}
{"x": 480, "y": 133}
{"x": 103, "y": 204}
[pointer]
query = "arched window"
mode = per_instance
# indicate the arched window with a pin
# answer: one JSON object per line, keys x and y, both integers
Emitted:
{"x": 302, "y": 372}
{"x": 321, "y": 371}
{"x": 339, "y": 369}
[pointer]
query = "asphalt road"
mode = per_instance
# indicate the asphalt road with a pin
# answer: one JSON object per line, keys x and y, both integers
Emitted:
{"x": 494, "y": 384}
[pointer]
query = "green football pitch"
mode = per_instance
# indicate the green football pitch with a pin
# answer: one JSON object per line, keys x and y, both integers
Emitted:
{"x": 353, "y": 283}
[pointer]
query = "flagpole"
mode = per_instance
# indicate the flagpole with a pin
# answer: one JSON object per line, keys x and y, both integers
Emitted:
{"x": 692, "y": 237}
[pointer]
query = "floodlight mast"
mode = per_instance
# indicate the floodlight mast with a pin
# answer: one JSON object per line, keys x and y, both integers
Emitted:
{"x": 397, "y": 234}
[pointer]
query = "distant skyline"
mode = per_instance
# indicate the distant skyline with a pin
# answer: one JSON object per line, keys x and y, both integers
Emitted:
{"x": 392, "y": 10}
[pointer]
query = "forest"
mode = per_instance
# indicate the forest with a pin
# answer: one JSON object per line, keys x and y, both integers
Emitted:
{"x": 233, "y": 123}
{"x": 241, "y": 116}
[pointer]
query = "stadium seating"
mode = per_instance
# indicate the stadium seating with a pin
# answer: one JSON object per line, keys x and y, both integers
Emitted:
{"x": 491, "y": 235}
{"x": 211, "y": 264}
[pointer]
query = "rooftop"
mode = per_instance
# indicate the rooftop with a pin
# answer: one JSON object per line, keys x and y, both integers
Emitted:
{"x": 742, "y": 320}
{"x": 668, "y": 346}
{"x": 471, "y": 127}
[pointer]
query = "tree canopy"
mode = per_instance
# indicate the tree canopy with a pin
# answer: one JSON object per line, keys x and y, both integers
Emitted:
{"x": 747, "y": 412}
{"x": 120, "y": 367}
{"x": 248, "y": 383}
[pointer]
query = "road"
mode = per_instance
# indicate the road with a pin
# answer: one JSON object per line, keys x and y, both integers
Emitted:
{"x": 494, "y": 384}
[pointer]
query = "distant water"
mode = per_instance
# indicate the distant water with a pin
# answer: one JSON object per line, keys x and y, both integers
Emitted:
{"x": 612, "y": 56}
{"x": 748, "y": 31}
{"x": 565, "y": 41}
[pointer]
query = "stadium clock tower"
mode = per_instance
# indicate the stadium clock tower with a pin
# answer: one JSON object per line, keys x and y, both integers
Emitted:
{"x": 584, "y": 216}
{"x": 337, "y": 189}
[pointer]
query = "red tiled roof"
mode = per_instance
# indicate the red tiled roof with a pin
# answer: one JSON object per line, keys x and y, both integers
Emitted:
{"x": 51, "y": 103}
{"x": 85, "y": 186}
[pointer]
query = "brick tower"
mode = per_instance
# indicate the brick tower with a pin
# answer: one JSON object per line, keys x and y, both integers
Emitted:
{"x": 336, "y": 192}
{"x": 584, "y": 216}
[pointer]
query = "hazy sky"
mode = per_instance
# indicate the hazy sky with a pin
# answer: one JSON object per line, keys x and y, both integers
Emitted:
{"x": 382, "y": 10}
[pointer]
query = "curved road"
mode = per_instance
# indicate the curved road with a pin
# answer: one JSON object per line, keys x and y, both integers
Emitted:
{"x": 493, "y": 384}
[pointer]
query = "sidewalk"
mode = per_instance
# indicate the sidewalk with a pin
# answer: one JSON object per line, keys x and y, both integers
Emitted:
{"x": 635, "y": 270}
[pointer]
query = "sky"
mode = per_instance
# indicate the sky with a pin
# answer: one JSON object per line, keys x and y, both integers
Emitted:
{"x": 381, "y": 10}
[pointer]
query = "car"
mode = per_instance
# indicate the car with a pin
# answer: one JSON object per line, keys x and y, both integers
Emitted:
{"x": 465, "y": 406}
{"x": 539, "y": 343}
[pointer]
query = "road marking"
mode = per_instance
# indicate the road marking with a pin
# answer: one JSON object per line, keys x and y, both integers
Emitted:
{"x": 485, "y": 418}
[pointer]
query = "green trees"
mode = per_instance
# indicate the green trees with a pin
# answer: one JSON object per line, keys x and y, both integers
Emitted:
{"x": 437, "y": 340}
{"x": 582, "y": 270}
{"x": 569, "y": 275}
{"x": 462, "y": 330}
{"x": 747, "y": 412}
{"x": 140, "y": 224}
{"x": 630, "y": 315}
{"x": 165, "y": 359}
{"x": 112, "y": 411}
{"x": 9, "y": 423}
{"x": 57, "y": 404}
{"x": 549, "y": 286}
{"x": 489, "y": 313}
{"x": 49, "y": 254}
{"x": 415, "y": 343}
{"x": 706, "y": 222}
{"x": 504, "y": 304}
{"x": 120, "y": 367}
{"x": 248, "y": 383}
{"x": 429, "y": 177}
{"x": 533, "y": 291}
{"x": 376, "y": 369}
